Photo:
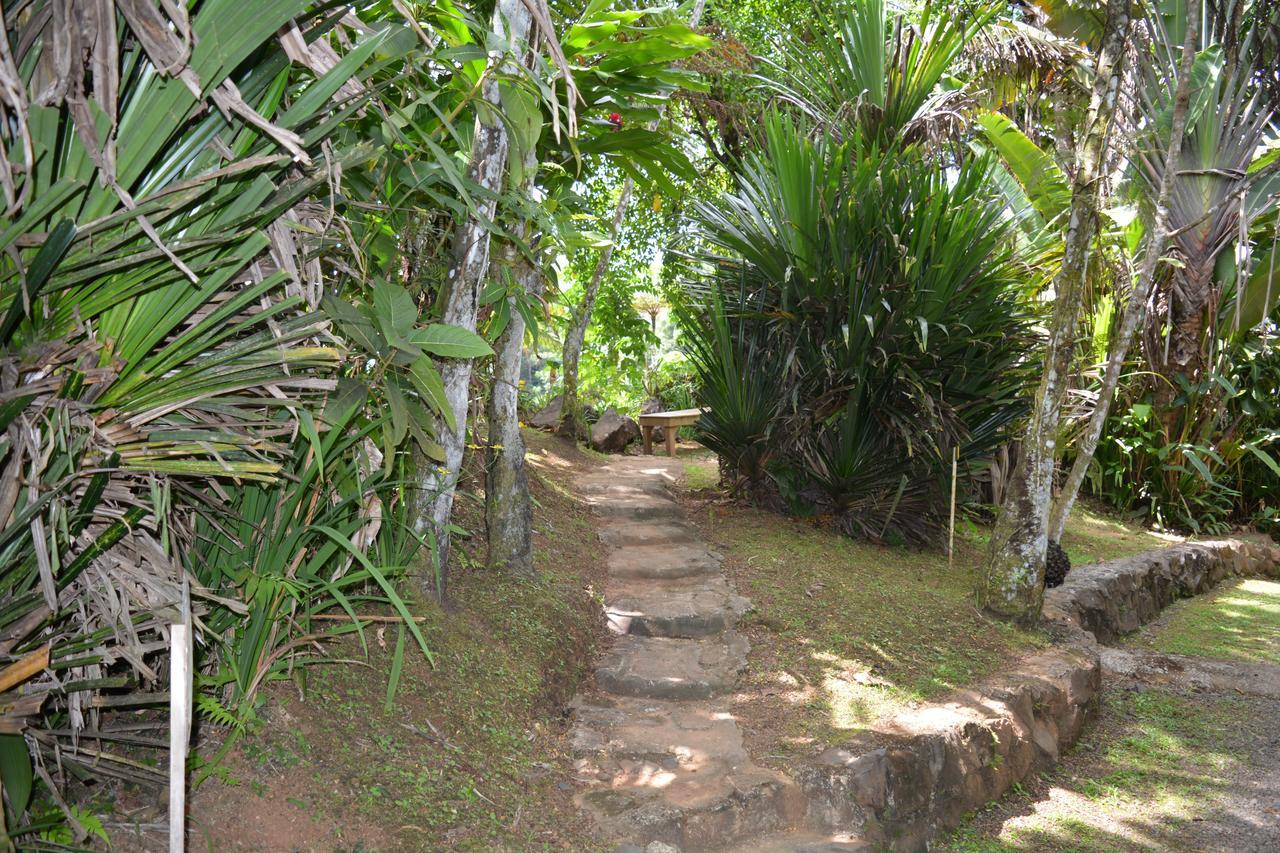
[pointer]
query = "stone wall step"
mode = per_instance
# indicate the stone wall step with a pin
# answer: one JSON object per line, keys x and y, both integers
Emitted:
{"x": 664, "y": 562}
{"x": 676, "y": 735}
{"x": 1206, "y": 675}
{"x": 664, "y": 668}
{"x": 638, "y": 508}
{"x": 629, "y": 534}
{"x": 684, "y": 607}
{"x": 697, "y": 812}
{"x": 610, "y": 487}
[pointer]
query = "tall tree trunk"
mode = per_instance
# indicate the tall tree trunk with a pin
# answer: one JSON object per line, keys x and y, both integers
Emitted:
{"x": 507, "y": 511}
{"x": 1012, "y": 587}
{"x": 461, "y": 299}
{"x": 571, "y": 425}
{"x": 1156, "y": 242}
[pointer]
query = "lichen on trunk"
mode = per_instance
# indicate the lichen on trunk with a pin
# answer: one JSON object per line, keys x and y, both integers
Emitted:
{"x": 460, "y": 299}
{"x": 508, "y": 510}
{"x": 1012, "y": 587}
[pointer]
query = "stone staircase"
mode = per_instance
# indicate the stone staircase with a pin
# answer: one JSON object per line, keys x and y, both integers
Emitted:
{"x": 657, "y": 740}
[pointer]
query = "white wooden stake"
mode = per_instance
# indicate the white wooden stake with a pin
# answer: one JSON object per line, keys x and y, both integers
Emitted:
{"x": 180, "y": 666}
{"x": 951, "y": 537}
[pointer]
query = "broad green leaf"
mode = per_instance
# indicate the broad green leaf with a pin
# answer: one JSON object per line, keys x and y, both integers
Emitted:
{"x": 1261, "y": 292}
{"x": 450, "y": 341}
{"x": 396, "y": 315}
{"x": 1045, "y": 184}
{"x": 524, "y": 125}
{"x": 399, "y": 412}
{"x": 16, "y": 774}
{"x": 430, "y": 386}
{"x": 1266, "y": 458}
{"x": 356, "y": 325}
{"x": 346, "y": 398}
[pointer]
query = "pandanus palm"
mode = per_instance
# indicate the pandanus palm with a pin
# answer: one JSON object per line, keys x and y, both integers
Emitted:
{"x": 858, "y": 66}
{"x": 162, "y": 351}
{"x": 879, "y": 336}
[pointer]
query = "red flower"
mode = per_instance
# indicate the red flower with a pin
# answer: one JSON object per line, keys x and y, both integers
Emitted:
{"x": 615, "y": 119}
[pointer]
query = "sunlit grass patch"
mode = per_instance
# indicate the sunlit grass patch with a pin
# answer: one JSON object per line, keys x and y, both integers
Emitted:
{"x": 1239, "y": 621}
{"x": 1092, "y": 537}
{"x": 862, "y": 631}
{"x": 847, "y": 632}
{"x": 701, "y": 473}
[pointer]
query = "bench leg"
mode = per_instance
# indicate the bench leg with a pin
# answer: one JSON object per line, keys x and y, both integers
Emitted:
{"x": 647, "y": 432}
{"x": 671, "y": 441}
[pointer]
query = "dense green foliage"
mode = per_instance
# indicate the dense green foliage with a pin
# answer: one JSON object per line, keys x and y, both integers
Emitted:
{"x": 177, "y": 402}
{"x": 226, "y": 234}
{"x": 1221, "y": 470}
{"x": 849, "y": 347}
{"x": 228, "y": 239}
{"x": 1192, "y": 443}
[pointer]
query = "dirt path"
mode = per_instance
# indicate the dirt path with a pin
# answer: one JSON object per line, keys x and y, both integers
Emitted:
{"x": 657, "y": 741}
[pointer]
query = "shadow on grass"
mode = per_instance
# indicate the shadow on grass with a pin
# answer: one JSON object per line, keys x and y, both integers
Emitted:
{"x": 1158, "y": 772}
{"x": 846, "y": 632}
{"x": 1239, "y": 621}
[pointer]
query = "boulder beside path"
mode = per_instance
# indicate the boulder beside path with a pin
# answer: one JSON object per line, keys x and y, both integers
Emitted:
{"x": 613, "y": 432}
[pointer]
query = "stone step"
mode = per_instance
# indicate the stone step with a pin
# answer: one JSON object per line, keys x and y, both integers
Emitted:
{"x": 694, "y": 811}
{"x": 675, "y": 735}
{"x": 685, "y": 607}
{"x": 804, "y": 842}
{"x": 637, "y": 508}
{"x": 630, "y": 534}
{"x": 1203, "y": 675}
{"x": 663, "y": 562}
{"x": 605, "y": 485}
{"x": 664, "y": 668}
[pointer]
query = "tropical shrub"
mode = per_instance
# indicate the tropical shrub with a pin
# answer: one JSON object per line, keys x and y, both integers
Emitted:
{"x": 183, "y": 429}
{"x": 861, "y": 323}
{"x": 1222, "y": 471}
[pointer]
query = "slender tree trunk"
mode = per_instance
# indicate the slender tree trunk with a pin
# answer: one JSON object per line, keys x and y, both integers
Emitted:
{"x": 1013, "y": 585}
{"x": 508, "y": 513}
{"x": 1156, "y": 242}
{"x": 571, "y": 425}
{"x": 461, "y": 300}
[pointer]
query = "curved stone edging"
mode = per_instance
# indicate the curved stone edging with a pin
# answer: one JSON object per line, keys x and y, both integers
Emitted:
{"x": 948, "y": 759}
{"x": 1115, "y": 598}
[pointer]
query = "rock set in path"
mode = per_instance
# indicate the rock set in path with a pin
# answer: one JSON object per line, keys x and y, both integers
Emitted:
{"x": 657, "y": 739}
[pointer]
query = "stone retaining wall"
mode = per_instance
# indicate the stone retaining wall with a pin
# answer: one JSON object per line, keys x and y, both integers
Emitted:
{"x": 926, "y": 769}
{"x": 945, "y": 760}
{"x": 1118, "y": 597}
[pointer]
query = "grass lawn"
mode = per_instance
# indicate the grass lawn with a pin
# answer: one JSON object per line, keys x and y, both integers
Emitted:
{"x": 470, "y": 754}
{"x": 846, "y": 632}
{"x": 1239, "y": 621}
{"x": 1156, "y": 773}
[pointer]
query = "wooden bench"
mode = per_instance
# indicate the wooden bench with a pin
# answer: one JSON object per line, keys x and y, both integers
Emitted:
{"x": 669, "y": 421}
